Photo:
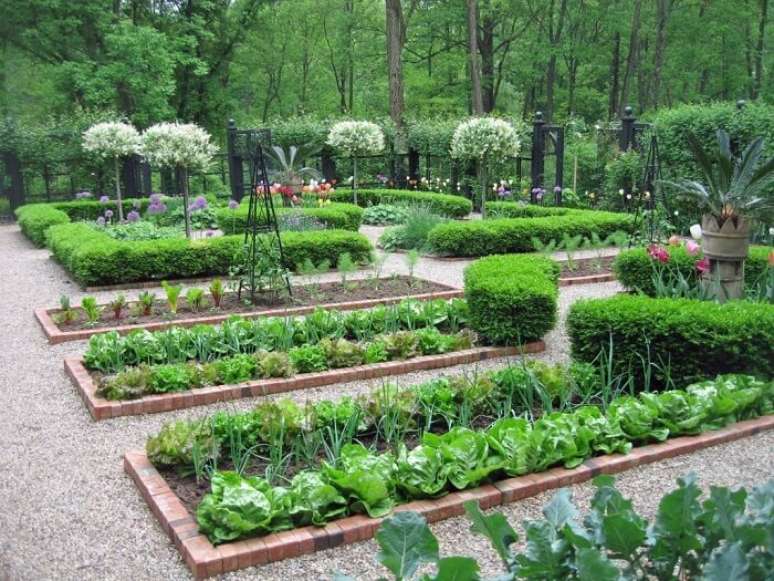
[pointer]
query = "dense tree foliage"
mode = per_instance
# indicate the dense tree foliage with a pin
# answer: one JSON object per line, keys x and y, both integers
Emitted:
{"x": 257, "y": 60}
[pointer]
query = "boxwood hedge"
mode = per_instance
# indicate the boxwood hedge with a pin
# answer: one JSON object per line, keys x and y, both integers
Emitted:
{"x": 94, "y": 258}
{"x": 79, "y": 210}
{"x": 634, "y": 268}
{"x": 35, "y": 219}
{"x": 693, "y": 339}
{"x": 512, "y": 299}
{"x": 442, "y": 204}
{"x": 506, "y": 235}
{"x": 336, "y": 216}
{"x": 518, "y": 210}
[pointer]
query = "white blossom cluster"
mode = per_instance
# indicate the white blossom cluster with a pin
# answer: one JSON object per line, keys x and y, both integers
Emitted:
{"x": 177, "y": 144}
{"x": 485, "y": 138}
{"x": 356, "y": 138}
{"x": 112, "y": 139}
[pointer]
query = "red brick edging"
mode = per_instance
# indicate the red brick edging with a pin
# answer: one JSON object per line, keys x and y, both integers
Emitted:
{"x": 55, "y": 335}
{"x": 102, "y": 409}
{"x": 591, "y": 278}
{"x": 204, "y": 559}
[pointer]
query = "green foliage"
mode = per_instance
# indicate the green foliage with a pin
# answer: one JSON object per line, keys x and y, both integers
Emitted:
{"x": 385, "y": 215}
{"x": 308, "y": 358}
{"x": 634, "y": 268}
{"x": 413, "y": 233}
{"x": 334, "y": 216}
{"x": 93, "y": 258}
{"x": 173, "y": 293}
{"x": 35, "y": 219}
{"x": 505, "y": 235}
{"x": 681, "y": 338}
{"x": 512, "y": 299}
{"x": 442, "y": 204}
{"x": 90, "y": 210}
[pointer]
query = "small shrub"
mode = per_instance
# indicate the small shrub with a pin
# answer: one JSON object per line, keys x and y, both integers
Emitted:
{"x": 385, "y": 215}
{"x": 512, "y": 299}
{"x": 413, "y": 234}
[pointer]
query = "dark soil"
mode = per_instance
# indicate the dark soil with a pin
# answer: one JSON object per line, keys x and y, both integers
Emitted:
{"x": 319, "y": 294}
{"x": 587, "y": 267}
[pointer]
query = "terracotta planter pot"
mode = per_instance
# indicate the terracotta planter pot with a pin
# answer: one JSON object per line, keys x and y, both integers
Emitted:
{"x": 726, "y": 248}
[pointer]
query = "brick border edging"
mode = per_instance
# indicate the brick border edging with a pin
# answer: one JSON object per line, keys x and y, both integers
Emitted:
{"x": 55, "y": 335}
{"x": 205, "y": 560}
{"x": 102, "y": 409}
{"x": 589, "y": 279}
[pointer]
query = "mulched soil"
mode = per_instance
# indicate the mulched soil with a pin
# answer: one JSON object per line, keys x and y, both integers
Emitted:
{"x": 315, "y": 294}
{"x": 587, "y": 267}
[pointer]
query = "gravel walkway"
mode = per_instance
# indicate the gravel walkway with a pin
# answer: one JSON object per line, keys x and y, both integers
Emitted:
{"x": 71, "y": 513}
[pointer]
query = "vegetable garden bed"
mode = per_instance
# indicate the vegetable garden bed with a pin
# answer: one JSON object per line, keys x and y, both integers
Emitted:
{"x": 101, "y": 408}
{"x": 205, "y": 559}
{"x": 361, "y": 294}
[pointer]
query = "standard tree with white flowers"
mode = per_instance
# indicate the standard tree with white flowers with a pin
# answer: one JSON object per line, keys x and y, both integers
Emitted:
{"x": 486, "y": 140}
{"x": 114, "y": 140}
{"x": 178, "y": 145}
{"x": 356, "y": 139}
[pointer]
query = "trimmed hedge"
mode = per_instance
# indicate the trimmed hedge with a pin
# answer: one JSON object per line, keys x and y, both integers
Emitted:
{"x": 335, "y": 216}
{"x": 443, "y": 204}
{"x": 512, "y": 299}
{"x": 506, "y": 235}
{"x": 695, "y": 339}
{"x": 94, "y": 258}
{"x": 517, "y": 210}
{"x": 90, "y": 210}
{"x": 35, "y": 219}
{"x": 634, "y": 268}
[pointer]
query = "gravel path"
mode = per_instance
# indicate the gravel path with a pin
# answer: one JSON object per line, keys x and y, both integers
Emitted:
{"x": 71, "y": 513}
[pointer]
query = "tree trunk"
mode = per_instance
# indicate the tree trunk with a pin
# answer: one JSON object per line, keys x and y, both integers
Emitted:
{"x": 663, "y": 8}
{"x": 486, "y": 48}
{"x": 395, "y": 40}
{"x": 354, "y": 180}
{"x": 554, "y": 37}
{"x": 119, "y": 202}
{"x": 631, "y": 58}
{"x": 615, "y": 66}
{"x": 477, "y": 102}
{"x": 758, "y": 80}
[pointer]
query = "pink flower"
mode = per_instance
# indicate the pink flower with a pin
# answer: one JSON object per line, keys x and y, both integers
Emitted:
{"x": 692, "y": 248}
{"x": 659, "y": 253}
{"x": 702, "y": 265}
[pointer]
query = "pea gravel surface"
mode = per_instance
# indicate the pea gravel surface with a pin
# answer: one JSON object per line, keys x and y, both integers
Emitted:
{"x": 70, "y": 512}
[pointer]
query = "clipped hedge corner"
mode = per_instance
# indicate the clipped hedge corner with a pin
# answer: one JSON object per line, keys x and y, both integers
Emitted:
{"x": 694, "y": 339}
{"x": 512, "y": 299}
{"x": 35, "y": 219}
{"x": 443, "y": 204}
{"x": 507, "y": 235}
{"x": 334, "y": 216}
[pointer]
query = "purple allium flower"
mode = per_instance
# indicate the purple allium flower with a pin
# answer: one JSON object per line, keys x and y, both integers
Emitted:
{"x": 108, "y": 214}
{"x": 133, "y": 216}
{"x": 155, "y": 198}
{"x": 101, "y": 221}
{"x": 104, "y": 199}
{"x": 233, "y": 204}
{"x": 557, "y": 189}
{"x": 209, "y": 233}
{"x": 82, "y": 195}
{"x": 157, "y": 208}
{"x": 200, "y": 203}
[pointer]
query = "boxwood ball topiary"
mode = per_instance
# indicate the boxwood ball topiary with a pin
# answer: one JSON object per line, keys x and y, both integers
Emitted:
{"x": 512, "y": 299}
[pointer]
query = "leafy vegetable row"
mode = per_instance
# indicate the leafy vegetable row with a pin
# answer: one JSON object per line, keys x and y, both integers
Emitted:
{"x": 363, "y": 481}
{"x": 110, "y": 352}
{"x": 328, "y": 353}
{"x": 726, "y": 536}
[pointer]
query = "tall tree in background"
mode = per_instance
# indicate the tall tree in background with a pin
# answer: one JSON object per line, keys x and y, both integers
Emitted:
{"x": 396, "y": 39}
{"x": 476, "y": 97}
{"x": 762, "y": 18}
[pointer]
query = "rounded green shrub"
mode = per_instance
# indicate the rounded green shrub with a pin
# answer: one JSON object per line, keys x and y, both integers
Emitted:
{"x": 442, "y": 204}
{"x": 512, "y": 299}
{"x": 333, "y": 216}
{"x": 35, "y": 219}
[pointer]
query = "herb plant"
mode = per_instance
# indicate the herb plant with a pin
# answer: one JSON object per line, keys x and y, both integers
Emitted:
{"x": 216, "y": 292}
{"x": 117, "y": 305}
{"x": 92, "y": 309}
{"x": 195, "y": 299}
{"x": 173, "y": 294}
{"x": 146, "y": 301}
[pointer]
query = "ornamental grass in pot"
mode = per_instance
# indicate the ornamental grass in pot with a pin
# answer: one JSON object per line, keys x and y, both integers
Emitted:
{"x": 736, "y": 191}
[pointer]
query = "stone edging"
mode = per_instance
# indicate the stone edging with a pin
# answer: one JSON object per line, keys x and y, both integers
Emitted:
{"x": 55, "y": 335}
{"x": 205, "y": 560}
{"x": 103, "y": 409}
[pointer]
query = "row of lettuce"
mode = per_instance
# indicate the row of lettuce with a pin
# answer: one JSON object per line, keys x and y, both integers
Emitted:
{"x": 358, "y": 479}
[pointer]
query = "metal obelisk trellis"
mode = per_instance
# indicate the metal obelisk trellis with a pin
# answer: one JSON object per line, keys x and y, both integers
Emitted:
{"x": 262, "y": 235}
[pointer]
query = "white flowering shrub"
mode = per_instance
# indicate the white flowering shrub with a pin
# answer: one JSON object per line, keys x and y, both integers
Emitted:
{"x": 356, "y": 138}
{"x": 177, "y": 144}
{"x": 108, "y": 140}
{"x": 485, "y": 138}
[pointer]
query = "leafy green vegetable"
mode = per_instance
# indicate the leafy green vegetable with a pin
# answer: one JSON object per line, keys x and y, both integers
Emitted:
{"x": 465, "y": 456}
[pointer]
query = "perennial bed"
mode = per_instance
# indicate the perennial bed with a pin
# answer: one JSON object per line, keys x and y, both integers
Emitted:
{"x": 719, "y": 408}
{"x": 360, "y": 294}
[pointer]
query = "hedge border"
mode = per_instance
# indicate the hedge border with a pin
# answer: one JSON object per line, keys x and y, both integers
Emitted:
{"x": 205, "y": 559}
{"x": 338, "y": 215}
{"x": 447, "y": 205}
{"x": 102, "y": 409}
{"x": 55, "y": 335}
{"x": 35, "y": 220}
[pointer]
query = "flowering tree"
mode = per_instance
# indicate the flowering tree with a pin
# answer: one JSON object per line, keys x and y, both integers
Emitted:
{"x": 486, "y": 140}
{"x": 112, "y": 140}
{"x": 178, "y": 145}
{"x": 356, "y": 139}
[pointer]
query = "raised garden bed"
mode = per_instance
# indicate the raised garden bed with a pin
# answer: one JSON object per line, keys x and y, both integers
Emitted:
{"x": 101, "y": 408}
{"x": 205, "y": 559}
{"x": 359, "y": 294}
